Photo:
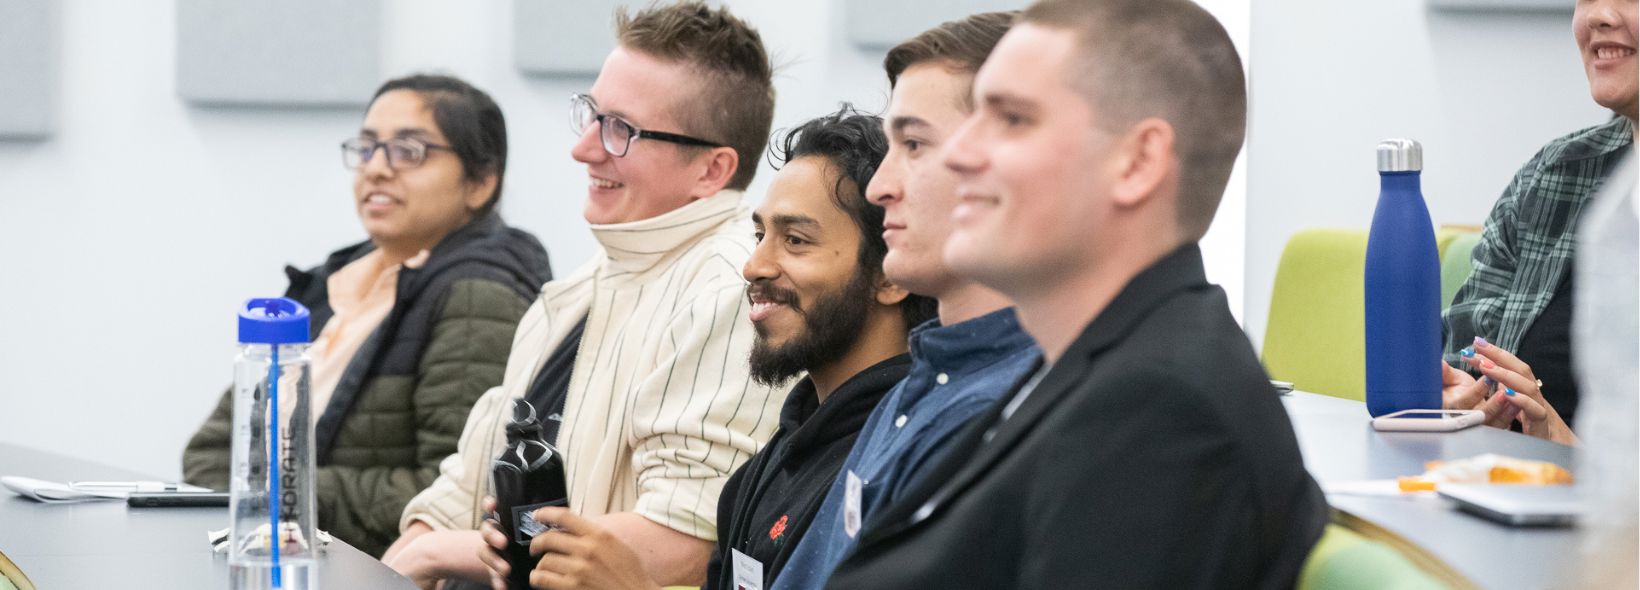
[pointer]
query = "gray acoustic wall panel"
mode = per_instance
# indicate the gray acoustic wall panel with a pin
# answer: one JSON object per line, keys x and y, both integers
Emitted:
{"x": 881, "y": 24}
{"x": 557, "y": 38}
{"x": 292, "y": 53}
{"x": 1561, "y": 6}
{"x": 28, "y": 68}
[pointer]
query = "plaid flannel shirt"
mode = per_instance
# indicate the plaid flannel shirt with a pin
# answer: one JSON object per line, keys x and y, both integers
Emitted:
{"x": 1529, "y": 241}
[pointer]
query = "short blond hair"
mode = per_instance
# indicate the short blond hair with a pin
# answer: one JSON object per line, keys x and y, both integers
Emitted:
{"x": 734, "y": 105}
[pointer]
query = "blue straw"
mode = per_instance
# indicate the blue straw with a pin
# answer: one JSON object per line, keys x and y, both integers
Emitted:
{"x": 273, "y": 459}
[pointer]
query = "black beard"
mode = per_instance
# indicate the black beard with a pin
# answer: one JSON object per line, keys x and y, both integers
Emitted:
{"x": 829, "y": 331}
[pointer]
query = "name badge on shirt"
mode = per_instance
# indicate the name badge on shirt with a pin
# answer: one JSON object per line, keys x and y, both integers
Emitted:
{"x": 851, "y": 504}
{"x": 748, "y": 571}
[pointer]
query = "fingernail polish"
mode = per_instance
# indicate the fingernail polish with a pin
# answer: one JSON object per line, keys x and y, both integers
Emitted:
{"x": 1467, "y": 352}
{"x": 1481, "y": 342}
{"x": 1509, "y": 391}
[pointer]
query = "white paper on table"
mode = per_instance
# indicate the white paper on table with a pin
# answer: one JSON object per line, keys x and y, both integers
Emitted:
{"x": 1372, "y": 487}
{"x": 52, "y": 492}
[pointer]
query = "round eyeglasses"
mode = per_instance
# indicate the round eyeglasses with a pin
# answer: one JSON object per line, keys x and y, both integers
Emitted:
{"x": 617, "y": 134}
{"x": 402, "y": 153}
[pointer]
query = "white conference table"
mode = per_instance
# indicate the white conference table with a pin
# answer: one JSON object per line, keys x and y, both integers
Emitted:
{"x": 106, "y": 544}
{"x": 1339, "y": 445}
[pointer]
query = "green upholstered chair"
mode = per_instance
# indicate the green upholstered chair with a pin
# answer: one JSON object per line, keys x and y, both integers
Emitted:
{"x": 1315, "y": 336}
{"x": 11, "y": 577}
{"x": 1345, "y": 560}
{"x": 1456, "y": 264}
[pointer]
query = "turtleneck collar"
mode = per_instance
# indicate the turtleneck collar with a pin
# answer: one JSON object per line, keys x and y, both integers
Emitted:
{"x": 636, "y": 246}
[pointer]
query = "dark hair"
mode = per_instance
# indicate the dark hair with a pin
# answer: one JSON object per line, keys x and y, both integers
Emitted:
{"x": 960, "y": 45}
{"x": 1168, "y": 59}
{"x": 854, "y": 143}
{"x": 734, "y": 102}
{"x": 469, "y": 119}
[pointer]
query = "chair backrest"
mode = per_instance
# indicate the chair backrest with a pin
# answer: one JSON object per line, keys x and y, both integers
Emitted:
{"x": 11, "y": 577}
{"x": 1345, "y": 560}
{"x": 1456, "y": 264}
{"x": 1316, "y": 333}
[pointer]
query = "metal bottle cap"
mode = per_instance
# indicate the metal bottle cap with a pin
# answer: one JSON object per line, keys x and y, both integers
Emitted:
{"x": 1400, "y": 155}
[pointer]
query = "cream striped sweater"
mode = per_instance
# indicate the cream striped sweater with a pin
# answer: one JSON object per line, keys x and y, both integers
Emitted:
{"x": 660, "y": 409}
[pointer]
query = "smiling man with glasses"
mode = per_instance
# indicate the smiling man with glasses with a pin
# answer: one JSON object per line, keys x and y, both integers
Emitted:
{"x": 638, "y": 358}
{"x": 617, "y": 134}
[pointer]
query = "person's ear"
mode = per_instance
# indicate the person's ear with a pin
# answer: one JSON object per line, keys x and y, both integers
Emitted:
{"x": 479, "y": 193}
{"x": 890, "y": 294}
{"x": 721, "y": 165}
{"x": 1145, "y": 159}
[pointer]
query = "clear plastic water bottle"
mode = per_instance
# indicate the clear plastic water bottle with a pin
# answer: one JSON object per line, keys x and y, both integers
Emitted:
{"x": 271, "y": 489}
{"x": 1403, "y": 288}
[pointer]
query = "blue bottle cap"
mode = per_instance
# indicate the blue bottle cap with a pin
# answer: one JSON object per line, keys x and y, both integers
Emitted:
{"x": 273, "y": 321}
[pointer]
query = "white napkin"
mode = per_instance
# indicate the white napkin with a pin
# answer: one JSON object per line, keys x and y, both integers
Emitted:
{"x": 52, "y": 492}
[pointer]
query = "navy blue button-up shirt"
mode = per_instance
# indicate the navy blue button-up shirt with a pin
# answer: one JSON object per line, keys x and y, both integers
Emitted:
{"x": 957, "y": 372}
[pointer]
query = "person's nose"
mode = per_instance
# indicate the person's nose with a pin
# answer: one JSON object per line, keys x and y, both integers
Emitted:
{"x": 589, "y": 148}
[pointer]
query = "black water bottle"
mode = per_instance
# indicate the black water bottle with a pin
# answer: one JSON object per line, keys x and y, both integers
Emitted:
{"x": 527, "y": 475}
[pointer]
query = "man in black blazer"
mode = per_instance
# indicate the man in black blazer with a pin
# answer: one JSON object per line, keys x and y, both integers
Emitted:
{"x": 1150, "y": 450}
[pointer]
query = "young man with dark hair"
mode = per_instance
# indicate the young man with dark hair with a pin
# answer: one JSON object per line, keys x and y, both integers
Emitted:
{"x": 637, "y": 358}
{"x": 821, "y": 305}
{"x": 962, "y": 363}
{"x": 1149, "y": 450}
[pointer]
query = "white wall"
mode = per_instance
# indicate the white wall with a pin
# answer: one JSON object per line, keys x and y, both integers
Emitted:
{"x": 127, "y": 240}
{"x": 1482, "y": 92}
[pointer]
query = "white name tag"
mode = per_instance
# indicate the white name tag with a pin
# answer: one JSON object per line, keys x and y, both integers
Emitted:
{"x": 851, "y": 504}
{"x": 748, "y": 571}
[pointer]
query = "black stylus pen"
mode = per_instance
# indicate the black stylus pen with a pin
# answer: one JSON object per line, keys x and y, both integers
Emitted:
{"x": 176, "y": 499}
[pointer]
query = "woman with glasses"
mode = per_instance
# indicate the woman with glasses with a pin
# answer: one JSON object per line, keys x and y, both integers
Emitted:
{"x": 411, "y": 326}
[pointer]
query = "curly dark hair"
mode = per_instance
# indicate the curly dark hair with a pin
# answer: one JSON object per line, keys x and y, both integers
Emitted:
{"x": 853, "y": 142}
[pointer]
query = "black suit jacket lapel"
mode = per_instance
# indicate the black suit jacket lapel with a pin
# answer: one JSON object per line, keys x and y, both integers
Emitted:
{"x": 973, "y": 457}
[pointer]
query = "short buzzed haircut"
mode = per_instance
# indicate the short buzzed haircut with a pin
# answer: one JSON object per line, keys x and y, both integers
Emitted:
{"x": 1168, "y": 59}
{"x": 960, "y": 45}
{"x": 733, "y": 103}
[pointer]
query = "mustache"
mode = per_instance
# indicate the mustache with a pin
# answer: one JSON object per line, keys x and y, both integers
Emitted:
{"x": 767, "y": 291}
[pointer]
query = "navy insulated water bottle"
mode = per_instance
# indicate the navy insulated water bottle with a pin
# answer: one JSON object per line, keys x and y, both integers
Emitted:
{"x": 1403, "y": 288}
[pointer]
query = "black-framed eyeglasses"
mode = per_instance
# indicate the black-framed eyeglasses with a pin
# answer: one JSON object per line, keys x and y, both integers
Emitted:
{"x": 402, "y": 153}
{"x": 616, "y": 133}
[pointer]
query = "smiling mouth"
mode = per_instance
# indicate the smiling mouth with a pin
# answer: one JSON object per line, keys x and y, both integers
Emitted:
{"x": 605, "y": 184}
{"x": 761, "y": 310}
{"x": 763, "y": 305}
{"x": 379, "y": 200}
{"x": 1610, "y": 52}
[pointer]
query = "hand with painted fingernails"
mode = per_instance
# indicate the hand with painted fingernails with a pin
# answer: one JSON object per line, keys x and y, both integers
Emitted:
{"x": 1514, "y": 392}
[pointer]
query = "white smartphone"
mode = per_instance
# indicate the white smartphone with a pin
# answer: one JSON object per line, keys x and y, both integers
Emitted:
{"x": 1428, "y": 420}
